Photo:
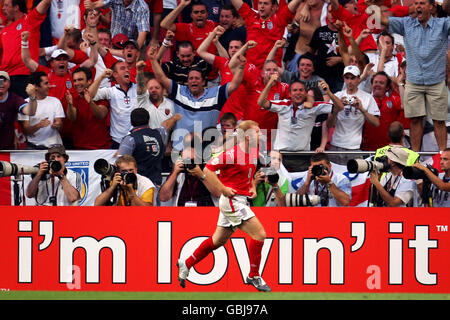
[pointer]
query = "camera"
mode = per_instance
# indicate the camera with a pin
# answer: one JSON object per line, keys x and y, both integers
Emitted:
{"x": 103, "y": 167}
{"x": 128, "y": 177}
{"x": 13, "y": 169}
{"x": 416, "y": 174}
{"x": 319, "y": 170}
{"x": 351, "y": 101}
{"x": 360, "y": 165}
{"x": 271, "y": 174}
{"x": 189, "y": 166}
{"x": 54, "y": 165}
{"x": 301, "y": 200}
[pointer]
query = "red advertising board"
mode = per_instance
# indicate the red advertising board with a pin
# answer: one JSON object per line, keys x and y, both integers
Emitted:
{"x": 307, "y": 249}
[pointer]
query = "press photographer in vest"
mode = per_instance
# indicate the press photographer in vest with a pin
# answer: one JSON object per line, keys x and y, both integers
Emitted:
{"x": 54, "y": 184}
{"x": 394, "y": 190}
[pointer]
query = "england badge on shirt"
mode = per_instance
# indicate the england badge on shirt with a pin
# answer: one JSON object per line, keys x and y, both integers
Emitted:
{"x": 270, "y": 25}
{"x": 69, "y": 84}
{"x": 19, "y": 27}
{"x": 127, "y": 100}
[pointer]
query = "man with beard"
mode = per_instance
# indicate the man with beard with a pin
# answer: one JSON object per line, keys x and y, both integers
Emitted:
{"x": 121, "y": 97}
{"x": 150, "y": 97}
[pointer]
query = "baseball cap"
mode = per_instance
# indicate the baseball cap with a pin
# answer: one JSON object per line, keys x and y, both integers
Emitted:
{"x": 4, "y": 74}
{"x": 119, "y": 40}
{"x": 354, "y": 70}
{"x": 58, "y": 148}
{"x": 133, "y": 42}
{"x": 57, "y": 53}
{"x": 398, "y": 155}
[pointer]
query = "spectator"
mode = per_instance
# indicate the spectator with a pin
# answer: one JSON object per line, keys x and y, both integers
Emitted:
{"x": 384, "y": 59}
{"x": 42, "y": 129}
{"x": 134, "y": 191}
{"x": 235, "y": 49}
{"x": 324, "y": 46}
{"x": 270, "y": 192}
{"x": 147, "y": 145}
{"x": 441, "y": 183}
{"x": 186, "y": 59}
{"x": 59, "y": 76}
{"x": 307, "y": 26}
{"x": 334, "y": 189}
{"x": 49, "y": 191}
{"x": 150, "y": 97}
{"x": 88, "y": 131}
{"x": 295, "y": 120}
{"x": 196, "y": 104}
{"x": 267, "y": 120}
{"x": 265, "y": 27}
{"x": 228, "y": 20}
{"x": 394, "y": 190}
{"x": 62, "y": 14}
{"x": 11, "y": 105}
{"x": 359, "y": 108}
{"x": 390, "y": 106}
{"x": 122, "y": 100}
{"x": 131, "y": 17}
{"x": 195, "y": 31}
{"x": 20, "y": 21}
{"x": 185, "y": 185}
{"x": 425, "y": 39}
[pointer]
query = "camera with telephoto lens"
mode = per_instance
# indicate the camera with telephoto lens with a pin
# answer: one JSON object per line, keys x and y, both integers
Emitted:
{"x": 271, "y": 174}
{"x": 128, "y": 177}
{"x": 359, "y": 165}
{"x": 108, "y": 170}
{"x": 319, "y": 170}
{"x": 13, "y": 169}
{"x": 416, "y": 174}
{"x": 301, "y": 200}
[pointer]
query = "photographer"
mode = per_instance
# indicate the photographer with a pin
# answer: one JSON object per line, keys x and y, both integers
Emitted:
{"x": 185, "y": 186}
{"x": 334, "y": 188}
{"x": 441, "y": 190}
{"x": 134, "y": 189}
{"x": 394, "y": 190}
{"x": 271, "y": 185}
{"x": 54, "y": 184}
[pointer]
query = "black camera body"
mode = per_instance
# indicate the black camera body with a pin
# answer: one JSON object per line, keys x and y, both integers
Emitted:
{"x": 54, "y": 165}
{"x": 271, "y": 174}
{"x": 128, "y": 177}
{"x": 416, "y": 174}
{"x": 319, "y": 170}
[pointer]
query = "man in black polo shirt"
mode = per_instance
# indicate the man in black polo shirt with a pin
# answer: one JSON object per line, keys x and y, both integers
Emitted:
{"x": 186, "y": 59}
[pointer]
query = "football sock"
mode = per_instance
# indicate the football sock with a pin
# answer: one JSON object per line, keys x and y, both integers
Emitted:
{"x": 255, "y": 248}
{"x": 200, "y": 253}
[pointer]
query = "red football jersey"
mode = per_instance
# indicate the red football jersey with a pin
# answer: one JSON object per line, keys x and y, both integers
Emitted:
{"x": 11, "y": 39}
{"x": 265, "y": 33}
{"x": 236, "y": 101}
{"x": 236, "y": 168}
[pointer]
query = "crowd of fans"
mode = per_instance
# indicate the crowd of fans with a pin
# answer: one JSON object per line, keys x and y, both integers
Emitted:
{"x": 316, "y": 75}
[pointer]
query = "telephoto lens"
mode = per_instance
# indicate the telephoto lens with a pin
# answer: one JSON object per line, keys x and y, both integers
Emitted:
{"x": 54, "y": 165}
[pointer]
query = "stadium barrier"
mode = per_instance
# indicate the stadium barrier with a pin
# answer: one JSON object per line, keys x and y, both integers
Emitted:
{"x": 307, "y": 249}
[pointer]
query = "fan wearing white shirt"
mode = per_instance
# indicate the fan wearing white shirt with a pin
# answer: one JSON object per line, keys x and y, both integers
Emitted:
{"x": 359, "y": 107}
{"x": 150, "y": 97}
{"x": 121, "y": 97}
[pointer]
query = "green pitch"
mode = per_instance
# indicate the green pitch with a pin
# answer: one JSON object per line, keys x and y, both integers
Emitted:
{"x": 100, "y": 295}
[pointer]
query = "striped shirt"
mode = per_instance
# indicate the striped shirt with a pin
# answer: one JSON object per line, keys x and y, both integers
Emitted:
{"x": 426, "y": 48}
{"x": 198, "y": 113}
{"x": 129, "y": 20}
{"x": 175, "y": 70}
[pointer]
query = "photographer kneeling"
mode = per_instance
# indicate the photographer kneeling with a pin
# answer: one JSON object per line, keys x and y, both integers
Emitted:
{"x": 54, "y": 184}
{"x": 134, "y": 189}
{"x": 441, "y": 183}
{"x": 394, "y": 190}
{"x": 334, "y": 189}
